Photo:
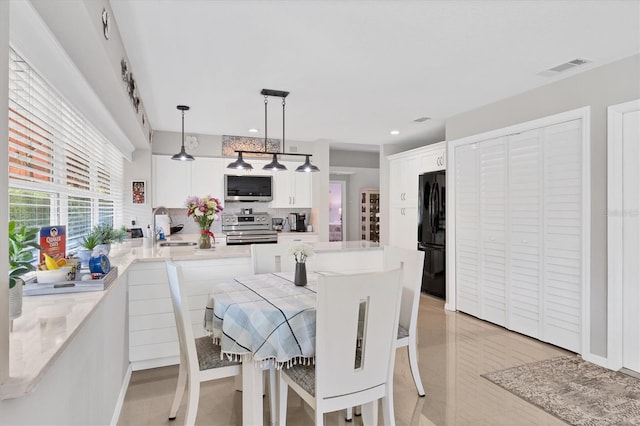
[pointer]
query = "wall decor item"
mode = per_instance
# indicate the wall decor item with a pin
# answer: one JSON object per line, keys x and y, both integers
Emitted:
{"x": 124, "y": 69}
{"x": 231, "y": 144}
{"x": 138, "y": 192}
{"x": 106, "y": 23}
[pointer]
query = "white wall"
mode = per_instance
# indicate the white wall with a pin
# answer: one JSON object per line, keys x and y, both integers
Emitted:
{"x": 598, "y": 88}
{"x": 138, "y": 169}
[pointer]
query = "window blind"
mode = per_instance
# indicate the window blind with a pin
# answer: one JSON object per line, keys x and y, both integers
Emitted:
{"x": 62, "y": 171}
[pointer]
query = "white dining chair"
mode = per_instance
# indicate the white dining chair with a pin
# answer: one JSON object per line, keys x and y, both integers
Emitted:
{"x": 350, "y": 370}
{"x": 267, "y": 258}
{"x": 412, "y": 262}
{"x": 200, "y": 359}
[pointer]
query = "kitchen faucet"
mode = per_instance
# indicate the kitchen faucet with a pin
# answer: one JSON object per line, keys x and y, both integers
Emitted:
{"x": 158, "y": 210}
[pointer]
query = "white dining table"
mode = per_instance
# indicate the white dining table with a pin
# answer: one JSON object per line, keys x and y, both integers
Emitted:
{"x": 261, "y": 319}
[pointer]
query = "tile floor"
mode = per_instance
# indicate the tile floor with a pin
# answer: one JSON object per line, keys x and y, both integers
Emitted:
{"x": 455, "y": 349}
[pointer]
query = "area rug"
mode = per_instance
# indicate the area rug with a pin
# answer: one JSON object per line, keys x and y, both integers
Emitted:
{"x": 575, "y": 391}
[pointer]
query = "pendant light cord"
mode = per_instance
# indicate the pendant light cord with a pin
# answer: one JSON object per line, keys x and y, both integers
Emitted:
{"x": 265, "y": 123}
{"x": 283, "y": 103}
{"x": 183, "y": 130}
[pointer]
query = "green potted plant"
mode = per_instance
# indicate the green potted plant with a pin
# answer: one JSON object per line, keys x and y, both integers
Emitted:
{"x": 98, "y": 241}
{"x": 107, "y": 235}
{"x": 22, "y": 242}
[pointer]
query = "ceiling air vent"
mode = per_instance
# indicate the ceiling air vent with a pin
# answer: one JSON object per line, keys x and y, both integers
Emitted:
{"x": 564, "y": 67}
{"x": 421, "y": 119}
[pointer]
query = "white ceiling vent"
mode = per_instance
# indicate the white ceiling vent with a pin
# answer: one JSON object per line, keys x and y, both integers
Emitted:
{"x": 564, "y": 67}
{"x": 421, "y": 119}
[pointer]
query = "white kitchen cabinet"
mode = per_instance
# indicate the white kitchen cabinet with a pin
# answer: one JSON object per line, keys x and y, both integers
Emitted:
{"x": 404, "y": 171}
{"x": 291, "y": 237}
{"x": 207, "y": 177}
{"x": 291, "y": 188}
{"x": 519, "y": 231}
{"x": 403, "y": 180}
{"x": 174, "y": 181}
{"x": 404, "y": 227}
{"x": 171, "y": 181}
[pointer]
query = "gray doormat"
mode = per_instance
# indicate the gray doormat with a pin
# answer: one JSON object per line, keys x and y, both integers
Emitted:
{"x": 575, "y": 391}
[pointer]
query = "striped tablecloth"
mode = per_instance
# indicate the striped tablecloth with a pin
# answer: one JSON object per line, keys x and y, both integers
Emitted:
{"x": 265, "y": 317}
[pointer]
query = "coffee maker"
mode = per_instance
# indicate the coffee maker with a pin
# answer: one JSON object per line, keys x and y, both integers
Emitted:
{"x": 297, "y": 222}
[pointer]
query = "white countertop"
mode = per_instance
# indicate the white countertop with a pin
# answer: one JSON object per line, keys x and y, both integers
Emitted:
{"x": 49, "y": 322}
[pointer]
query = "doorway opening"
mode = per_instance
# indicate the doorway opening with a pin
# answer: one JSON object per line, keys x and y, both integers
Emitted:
{"x": 337, "y": 210}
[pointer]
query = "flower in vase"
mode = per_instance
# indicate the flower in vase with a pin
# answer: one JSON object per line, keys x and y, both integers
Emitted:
{"x": 204, "y": 211}
{"x": 300, "y": 252}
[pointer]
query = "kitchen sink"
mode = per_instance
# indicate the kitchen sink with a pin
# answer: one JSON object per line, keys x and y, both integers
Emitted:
{"x": 177, "y": 244}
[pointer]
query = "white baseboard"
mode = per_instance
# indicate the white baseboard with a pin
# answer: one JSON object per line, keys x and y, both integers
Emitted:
{"x": 123, "y": 393}
{"x": 596, "y": 359}
{"x": 448, "y": 307}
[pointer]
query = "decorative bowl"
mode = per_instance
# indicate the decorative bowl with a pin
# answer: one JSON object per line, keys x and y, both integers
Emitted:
{"x": 54, "y": 275}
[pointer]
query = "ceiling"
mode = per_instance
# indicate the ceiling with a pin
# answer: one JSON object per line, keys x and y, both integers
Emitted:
{"x": 356, "y": 69}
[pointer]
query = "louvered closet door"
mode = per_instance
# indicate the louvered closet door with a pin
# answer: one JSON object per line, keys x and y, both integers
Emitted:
{"x": 492, "y": 277}
{"x": 562, "y": 235}
{"x": 525, "y": 231}
{"x": 467, "y": 223}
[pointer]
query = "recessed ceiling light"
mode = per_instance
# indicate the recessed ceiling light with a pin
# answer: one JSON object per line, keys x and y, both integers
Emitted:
{"x": 394, "y": 132}
{"x": 253, "y": 130}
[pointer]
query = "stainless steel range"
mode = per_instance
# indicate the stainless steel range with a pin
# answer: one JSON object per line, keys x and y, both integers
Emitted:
{"x": 248, "y": 228}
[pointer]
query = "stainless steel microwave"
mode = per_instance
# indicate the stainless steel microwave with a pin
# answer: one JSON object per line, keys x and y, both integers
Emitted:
{"x": 247, "y": 188}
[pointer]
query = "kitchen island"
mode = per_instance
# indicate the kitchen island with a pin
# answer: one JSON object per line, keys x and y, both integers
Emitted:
{"x": 82, "y": 347}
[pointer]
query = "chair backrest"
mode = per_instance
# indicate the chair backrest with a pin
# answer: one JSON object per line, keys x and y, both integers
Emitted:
{"x": 343, "y": 301}
{"x": 412, "y": 262}
{"x": 267, "y": 258}
{"x": 180, "y": 301}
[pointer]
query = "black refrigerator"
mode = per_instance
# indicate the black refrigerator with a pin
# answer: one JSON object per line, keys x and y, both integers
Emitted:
{"x": 431, "y": 231}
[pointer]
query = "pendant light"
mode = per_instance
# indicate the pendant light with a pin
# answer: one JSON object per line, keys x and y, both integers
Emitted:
{"x": 273, "y": 165}
{"x": 240, "y": 164}
{"x": 182, "y": 155}
{"x": 307, "y": 166}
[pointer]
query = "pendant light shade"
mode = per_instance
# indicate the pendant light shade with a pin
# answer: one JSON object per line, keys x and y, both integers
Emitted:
{"x": 182, "y": 155}
{"x": 274, "y": 165}
{"x": 240, "y": 164}
{"x": 307, "y": 166}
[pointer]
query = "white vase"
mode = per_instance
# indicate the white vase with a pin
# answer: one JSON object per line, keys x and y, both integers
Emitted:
{"x": 101, "y": 249}
{"x": 85, "y": 256}
{"x": 15, "y": 300}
